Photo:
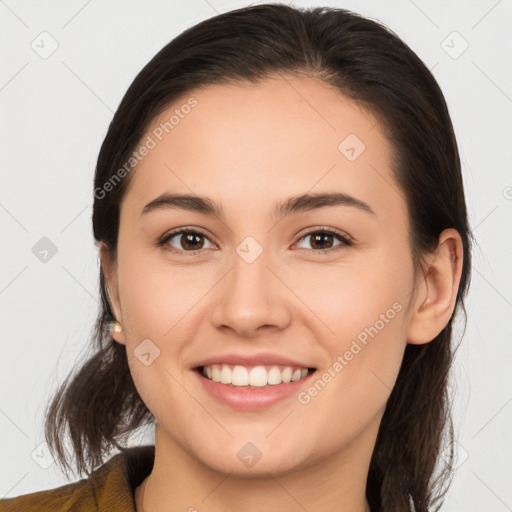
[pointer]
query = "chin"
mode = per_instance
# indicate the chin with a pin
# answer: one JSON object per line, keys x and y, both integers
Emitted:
{"x": 279, "y": 465}
{"x": 245, "y": 459}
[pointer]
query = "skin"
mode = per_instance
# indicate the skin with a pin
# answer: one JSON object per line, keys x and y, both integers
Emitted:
{"x": 248, "y": 147}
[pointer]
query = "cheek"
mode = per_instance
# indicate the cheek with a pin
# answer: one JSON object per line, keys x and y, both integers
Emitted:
{"x": 363, "y": 334}
{"x": 347, "y": 299}
{"x": 359, "y": 317}
{"x": 157, "y": 303}
{"x": 155, "y": 296}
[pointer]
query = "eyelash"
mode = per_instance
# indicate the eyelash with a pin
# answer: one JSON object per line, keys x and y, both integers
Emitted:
{"x": 346, "y": 241}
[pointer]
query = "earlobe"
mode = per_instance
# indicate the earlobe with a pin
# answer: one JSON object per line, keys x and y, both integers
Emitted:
{"x": 110, "y": 274}
{"x": 436, "y": 296}
{"x": 117, "y": 333}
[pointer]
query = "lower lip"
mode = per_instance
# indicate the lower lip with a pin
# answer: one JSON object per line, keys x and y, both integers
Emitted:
{"x": 252, "y": 399}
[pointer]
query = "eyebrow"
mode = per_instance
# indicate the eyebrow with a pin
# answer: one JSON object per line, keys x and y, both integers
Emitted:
{"x": 292, "y": 205}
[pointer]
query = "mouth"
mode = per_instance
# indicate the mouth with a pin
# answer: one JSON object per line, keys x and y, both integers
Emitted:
{"x": 253, "y": 377}
{"x": 252, "y": 388}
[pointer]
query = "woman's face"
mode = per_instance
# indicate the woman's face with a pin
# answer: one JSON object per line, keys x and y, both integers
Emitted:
{"x": 252, "y": 280}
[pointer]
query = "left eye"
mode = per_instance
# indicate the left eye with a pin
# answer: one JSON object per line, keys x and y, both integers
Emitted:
{"x": 325, "y": 238}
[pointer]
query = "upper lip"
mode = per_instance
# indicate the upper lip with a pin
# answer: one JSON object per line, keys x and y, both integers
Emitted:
{"x": 262, "y": 358}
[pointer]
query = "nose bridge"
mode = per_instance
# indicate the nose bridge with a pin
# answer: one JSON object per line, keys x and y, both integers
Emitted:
{"x": 250, "y": 280}
{"x": 251, "y": 296}
{"x": 250, "y": 273}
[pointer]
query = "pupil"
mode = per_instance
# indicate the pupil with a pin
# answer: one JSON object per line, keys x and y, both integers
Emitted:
{"x": 318, "y": 238}
{"x": 190, "y": 241}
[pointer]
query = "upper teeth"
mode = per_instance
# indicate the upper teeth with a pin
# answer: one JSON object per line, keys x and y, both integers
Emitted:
{"x": 257, "y": 376}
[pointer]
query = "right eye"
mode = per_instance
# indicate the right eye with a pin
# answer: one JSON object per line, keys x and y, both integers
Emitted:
{"x": 184, "y": 241}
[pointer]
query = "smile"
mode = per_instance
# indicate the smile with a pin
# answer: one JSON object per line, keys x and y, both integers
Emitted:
{"x": 255, "y": 376}
{"x": 258, "y": 393}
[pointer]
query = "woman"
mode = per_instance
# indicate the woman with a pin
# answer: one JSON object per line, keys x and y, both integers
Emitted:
{"x": 281, "y": 223}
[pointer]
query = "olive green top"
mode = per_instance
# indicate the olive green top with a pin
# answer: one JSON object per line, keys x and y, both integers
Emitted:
{"x": 110, "y": 488}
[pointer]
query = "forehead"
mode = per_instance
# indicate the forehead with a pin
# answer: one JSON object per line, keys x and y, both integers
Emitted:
{"x": 285, "y": 135}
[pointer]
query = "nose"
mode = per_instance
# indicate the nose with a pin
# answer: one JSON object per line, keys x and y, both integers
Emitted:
{"x": 252, "y": 298}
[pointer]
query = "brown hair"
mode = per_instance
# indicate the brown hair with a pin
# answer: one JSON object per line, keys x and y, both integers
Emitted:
{"x": 368, "y": 63}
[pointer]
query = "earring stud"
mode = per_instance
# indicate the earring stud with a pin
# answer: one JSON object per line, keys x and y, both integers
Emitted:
{"x": 116, "y": 327}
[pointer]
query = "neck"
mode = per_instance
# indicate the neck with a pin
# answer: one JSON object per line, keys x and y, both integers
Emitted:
{"x": 181, "y": 481}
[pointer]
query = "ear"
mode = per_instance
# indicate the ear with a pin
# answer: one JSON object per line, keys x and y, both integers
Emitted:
{"x": 435, "y": 297}
{"x": 109, "y": 268}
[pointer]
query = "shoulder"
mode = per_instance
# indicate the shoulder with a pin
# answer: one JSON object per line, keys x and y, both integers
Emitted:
{"x": 76, "y": 496}
{"x": 109, "y": 488}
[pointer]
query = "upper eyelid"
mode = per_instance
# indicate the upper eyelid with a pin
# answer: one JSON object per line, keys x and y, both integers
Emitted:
{"x": 337, "y": 232}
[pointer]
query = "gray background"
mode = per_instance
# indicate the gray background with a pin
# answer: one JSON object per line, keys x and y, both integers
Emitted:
{"x": 55, "y": 112}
